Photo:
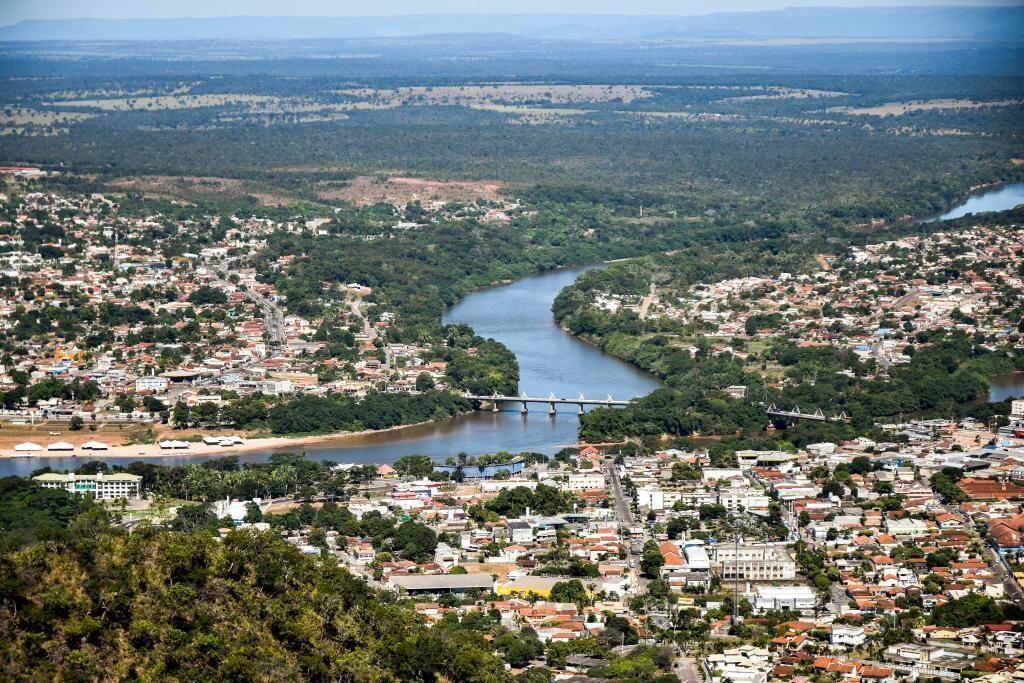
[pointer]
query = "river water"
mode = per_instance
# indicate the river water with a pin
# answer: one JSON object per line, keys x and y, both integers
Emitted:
{"x": 550, "y": 361}
{"x": 999, "y": 198}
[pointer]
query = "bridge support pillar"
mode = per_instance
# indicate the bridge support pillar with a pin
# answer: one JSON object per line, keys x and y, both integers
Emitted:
{"x": 524, "y": 410}
{"x": 551, "y": 408}
{"x": 494, "y": 407}
{"x": 581, "y": 409}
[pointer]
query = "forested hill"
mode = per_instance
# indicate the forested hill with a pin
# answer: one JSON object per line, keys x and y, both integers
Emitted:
{"x": 90, "y": 602}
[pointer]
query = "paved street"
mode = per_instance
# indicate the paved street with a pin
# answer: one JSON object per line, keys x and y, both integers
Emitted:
{"x": 1013, "y": 589}
{"x": 622, "y": 504}
{"x": 687, "y": 669}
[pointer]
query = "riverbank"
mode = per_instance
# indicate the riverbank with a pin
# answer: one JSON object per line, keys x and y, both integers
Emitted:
{"x": 250, "y": 443}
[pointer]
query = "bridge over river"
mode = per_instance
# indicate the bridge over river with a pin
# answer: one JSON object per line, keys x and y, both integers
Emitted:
{"x": 494, "y": 401}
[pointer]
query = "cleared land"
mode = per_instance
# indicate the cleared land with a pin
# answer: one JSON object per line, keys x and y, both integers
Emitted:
{"x": 163, "y": 102}
{"x": 21, "y": 120}
{"x": 189, "y": 187}
{"x": 366, "y": 190}
{"x": 900, "y": 108}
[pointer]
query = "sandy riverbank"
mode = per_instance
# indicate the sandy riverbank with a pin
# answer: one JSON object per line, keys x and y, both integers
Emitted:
{"x": 117, "y": 448}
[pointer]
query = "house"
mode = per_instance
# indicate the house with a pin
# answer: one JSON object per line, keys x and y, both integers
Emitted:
{"x": 844, "y": 635}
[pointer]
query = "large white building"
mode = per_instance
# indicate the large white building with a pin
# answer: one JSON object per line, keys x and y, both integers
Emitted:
{"x": 582, "y": 481}
{"x": 743, "y": 498}
{"x": 100, "y": 486}
{"x": 755, "y": 562}
{"x": 154, "y": 384}
{"x": 657, "y": 498}
{"x": 799, "y": 598}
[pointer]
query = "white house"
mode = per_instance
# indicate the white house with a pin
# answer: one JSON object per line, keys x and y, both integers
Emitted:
{"x": 845, "y": 635}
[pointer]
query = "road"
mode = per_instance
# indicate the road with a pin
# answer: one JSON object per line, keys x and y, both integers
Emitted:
{"x": 647, "y": 300}
{"x": 358, "y": 314}
{"x": 686, "y": 669}
{"x": 1013, "y": 589}
{"x": 839, "y": 599}
{"x": 273, "y": 316}
{"x": 622, "y": 504}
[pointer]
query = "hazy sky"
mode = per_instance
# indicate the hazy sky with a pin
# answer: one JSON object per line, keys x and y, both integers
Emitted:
{"x": 12, "y": 11}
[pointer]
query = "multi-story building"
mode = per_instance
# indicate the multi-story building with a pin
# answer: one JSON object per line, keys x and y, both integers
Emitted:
{"x": 743, "y": 498}
{"x": 582, "y": 481}
{"x": 755, "y": 562}
{"x": 100, "y": 486}
{"x": 846, "y": 635}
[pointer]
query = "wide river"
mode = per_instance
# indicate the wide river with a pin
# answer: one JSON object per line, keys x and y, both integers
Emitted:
{"x": 550, "y": 361}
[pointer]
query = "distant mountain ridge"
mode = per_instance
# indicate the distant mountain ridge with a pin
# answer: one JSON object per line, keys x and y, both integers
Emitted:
{"x": 940, "y": 22}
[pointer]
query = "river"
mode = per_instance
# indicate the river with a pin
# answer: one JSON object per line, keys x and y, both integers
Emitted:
{"x": 998, "y": 198}
{"x": 550, "y": 361}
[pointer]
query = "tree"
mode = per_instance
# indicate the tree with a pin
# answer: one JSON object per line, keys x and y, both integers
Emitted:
{"x": 570, "y": 591}
{"x": 318, "y": 539}
{"x": 414, "y": 541}
{"x": 181, "y": 414}
{"x": 424, "y": 382}
{"x": 971, "y": 610}
{"x": 253, "y": 514}
{"x": 652, "y": 559}
{"x": 76, "y": 423}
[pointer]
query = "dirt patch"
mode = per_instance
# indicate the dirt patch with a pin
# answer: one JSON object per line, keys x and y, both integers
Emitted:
{"x": 399, "y": 191}
{"x": 191, "y": 187}
{"x": 900, "y": 108}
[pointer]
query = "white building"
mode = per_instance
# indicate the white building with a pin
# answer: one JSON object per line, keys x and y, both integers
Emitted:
{"x": 697, "y": 559}
{"x": 275, "y": 387}
{"x": 100, "y": 486}
{"x": 797, "y": 598}
{"x": 1017, "y": 408}
{"x": 743, "y": 498}
{"x": 754, "y": 562}
{"x": 582, "y": 481}
{"x": 656, "y": 498}
{"x": 156, "y": 385}
{"x": 906, "y": 528}
{"x": 845, "y": 635}
{"x": 746, "y": 664}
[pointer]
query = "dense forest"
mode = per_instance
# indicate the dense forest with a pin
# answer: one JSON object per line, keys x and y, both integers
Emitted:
{"x": 95, "y": 602}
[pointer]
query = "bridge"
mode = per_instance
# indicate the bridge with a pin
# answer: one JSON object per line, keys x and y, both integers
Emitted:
{"x": 796, "y": 414}
{"x": 495, "y": 399}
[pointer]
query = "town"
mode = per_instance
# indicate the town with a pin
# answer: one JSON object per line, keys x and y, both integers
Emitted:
{"x": 860, "y": 560}
{"x": 114, "y": 324}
